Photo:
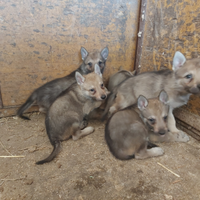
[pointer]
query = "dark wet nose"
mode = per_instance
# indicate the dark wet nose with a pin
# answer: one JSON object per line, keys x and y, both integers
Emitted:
{"x": 103, "y": 96}
{"x": 162, "y": 132}
{"x": 195, "y": 90}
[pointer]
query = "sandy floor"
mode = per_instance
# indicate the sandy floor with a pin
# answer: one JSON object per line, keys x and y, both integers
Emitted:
{"x": 85, "y": 169}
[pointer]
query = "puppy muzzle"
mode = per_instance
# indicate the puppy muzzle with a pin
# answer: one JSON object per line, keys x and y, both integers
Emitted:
{"x": 161, "y": 132}
{"x": 195, "y": 90}
{"x": 103, "y": 97}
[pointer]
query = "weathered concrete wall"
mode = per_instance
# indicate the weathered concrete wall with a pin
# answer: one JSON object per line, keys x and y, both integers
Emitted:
{"x": 41, "y": 40}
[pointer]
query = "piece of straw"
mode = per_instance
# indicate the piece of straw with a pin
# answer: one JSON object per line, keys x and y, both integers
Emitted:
{"x": 12, "y": 156}
{"x": 177, "y": 181}
{"x": 168, "y": 169}
{"x": 5, "y": 148}
{"x": 12, "y": 179}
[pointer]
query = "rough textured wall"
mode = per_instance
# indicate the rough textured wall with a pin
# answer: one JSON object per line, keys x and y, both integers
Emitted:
{"x": 41, "y": 40}
{"x": 170, "y": 26}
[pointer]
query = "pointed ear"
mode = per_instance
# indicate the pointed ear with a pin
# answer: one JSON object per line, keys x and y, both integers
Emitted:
{"x": 97, "y": 70}
{"x": 142, "y": 102}
{"x": 104, "y": 53}
{"x": 178, "y": 60}
{"x": 163, "y": 97}
{"x": 79, "y": 78}
{"x": 84, "y": 53}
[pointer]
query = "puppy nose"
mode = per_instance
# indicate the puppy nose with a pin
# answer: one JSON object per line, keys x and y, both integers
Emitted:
{"x": 103, "y": 96}
{"x": 162, "y": 132}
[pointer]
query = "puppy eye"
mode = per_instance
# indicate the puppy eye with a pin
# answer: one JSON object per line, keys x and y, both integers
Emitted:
{"x": 102, "y": 86}
{"x": 100, "y": 62}
{"x": 92, "y": 90}
{"x": 90, "y": 64}
{"x": 189, "y": 76}
{"x": 152, "y": 121}
{"x": 165, "y": 118}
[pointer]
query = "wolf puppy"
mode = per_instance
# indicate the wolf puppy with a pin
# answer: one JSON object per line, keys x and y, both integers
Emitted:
{"x": 126, "y": 132}
{"x": 45, "y": 95}
{"x": 119, "y": 77}
{"x": 64, "y": 117}
{"x": 114, "y": 80}
{"x": 179, "y": 84}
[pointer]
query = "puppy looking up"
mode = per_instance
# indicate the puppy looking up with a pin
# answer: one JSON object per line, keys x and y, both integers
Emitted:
{"x": 127, "y": 131}
{"x": 65, "y": 116}
{"x": 179, "y": 84}
{"x": 45, "y": 95}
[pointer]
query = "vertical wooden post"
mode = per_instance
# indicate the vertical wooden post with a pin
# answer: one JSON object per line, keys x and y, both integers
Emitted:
{"x": 140, "y": 35}
{"x": 1, "y": 102}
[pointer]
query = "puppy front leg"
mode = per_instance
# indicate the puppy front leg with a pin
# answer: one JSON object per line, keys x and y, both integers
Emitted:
{"x": 81, "y": 133}
{"x": 171, "y": 122}
{"x": 84, "y": 123}
{"x": 175, "y": 134}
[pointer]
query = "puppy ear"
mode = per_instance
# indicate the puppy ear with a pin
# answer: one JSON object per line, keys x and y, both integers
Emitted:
{"x": 97, "y": 70}
{"x": 142, "y": 102}
{"x": 84, "y": 53}
{"x": 178, "y": 60}
{"x": 163, "y": 97}
{"x": 79, "y": 78}
{"x": 104, "y": 53}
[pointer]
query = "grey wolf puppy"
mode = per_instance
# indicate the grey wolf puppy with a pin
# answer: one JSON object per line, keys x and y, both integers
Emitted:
{"x": 179, "y": 84}
{"x": 119, "y": 77}
{"x": 114, "y": 80}
{"x": 126, "y": 132}
{"x": 65, "y": 116}
{"x": 45, "y": 95}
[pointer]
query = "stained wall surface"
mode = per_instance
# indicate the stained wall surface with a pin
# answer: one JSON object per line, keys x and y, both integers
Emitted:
{"x": 41, "y": 40}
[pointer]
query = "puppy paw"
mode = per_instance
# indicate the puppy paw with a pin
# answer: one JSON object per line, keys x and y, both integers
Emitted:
{"x": 90, "y": 129}
{"x": 42, "y": 110}
{"x": 156, "y": 151}
{"x": 81, "y": 133}
{"x": 180, "y": 136}
{"x": 84, "y": 124}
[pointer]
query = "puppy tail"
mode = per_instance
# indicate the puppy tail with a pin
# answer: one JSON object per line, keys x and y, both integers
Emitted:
{"x": 25, "y": 106}
{"x": 56, "y": 150}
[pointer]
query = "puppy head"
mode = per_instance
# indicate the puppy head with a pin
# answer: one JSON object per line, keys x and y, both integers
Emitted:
{"x": 187, "y": 73}
{"x": 92, "y": 85}
{"x": 154, "y": 112}
{"x": 93, "y": 58}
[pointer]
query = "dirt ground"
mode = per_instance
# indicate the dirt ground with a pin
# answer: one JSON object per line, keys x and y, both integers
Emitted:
{"x": 85, "y": 169}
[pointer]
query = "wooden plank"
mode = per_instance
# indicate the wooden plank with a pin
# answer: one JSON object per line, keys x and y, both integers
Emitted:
{"x": 188, "y": 118}
{"x": 42, "y": 40}
{"x": 172, "y": 26}
{"x": 188, "y": 129}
